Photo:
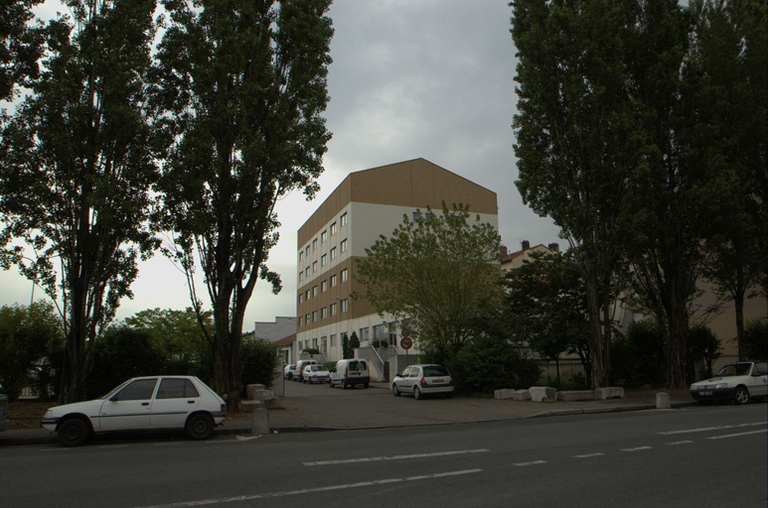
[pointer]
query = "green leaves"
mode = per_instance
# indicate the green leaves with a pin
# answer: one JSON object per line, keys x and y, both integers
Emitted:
{"x": 439, "y": 270}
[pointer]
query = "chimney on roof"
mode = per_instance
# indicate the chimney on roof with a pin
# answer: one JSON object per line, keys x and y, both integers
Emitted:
{"x": 554, "y": 247}
{"x": 526, "y": 245}
{"x": 503, "y": 251}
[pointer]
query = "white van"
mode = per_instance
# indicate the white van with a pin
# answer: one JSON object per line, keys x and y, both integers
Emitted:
{"x": 300, "y": 368}
{"x": 350, "y": 372}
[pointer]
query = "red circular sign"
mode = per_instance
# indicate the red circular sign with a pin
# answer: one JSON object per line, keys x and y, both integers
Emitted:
{"x": 406, "y": 343}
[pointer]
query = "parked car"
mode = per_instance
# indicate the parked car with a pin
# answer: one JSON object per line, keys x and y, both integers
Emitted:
{"x": 350, "y": 372}
{"x": 300, "y": 368}
{"x": 142, "y": 403}
{"x": 5, "y": 420}
{"x": 290, "y": 371}
{"x": 316, "y": 374}
{"x": 738, "y": 382}
{"x": 421, "y": 380}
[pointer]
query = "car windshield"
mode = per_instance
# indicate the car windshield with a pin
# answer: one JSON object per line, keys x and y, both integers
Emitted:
{"x": 319, "y": 368}
{"x": 735, "y": 369}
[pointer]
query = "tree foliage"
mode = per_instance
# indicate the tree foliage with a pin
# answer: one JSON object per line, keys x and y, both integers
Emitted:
{"x": 545, "y": 304}
{"x": 77, "y": 167}
{"x": 29, "y": 338}
{"x": 19, "y": 44}
{"x": 439, "y": 271}
{"x": 260, "y": 359}
{"x": 577, "y": 140}
{"x": 240, "y": 86}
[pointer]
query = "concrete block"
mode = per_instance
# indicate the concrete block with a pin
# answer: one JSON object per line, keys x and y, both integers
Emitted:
{"x": 503, "y": 394}
{"x": 575, "y": 395}
{"x": 662, "y": 401}
{"x": 610, "y": 392}
{"x": 260, "y": 422}
{"x": 542, "y": 393}
{"x": 249, "y": 406}
{"x": 521, "y": 395}
{"x": 251, "y": 391}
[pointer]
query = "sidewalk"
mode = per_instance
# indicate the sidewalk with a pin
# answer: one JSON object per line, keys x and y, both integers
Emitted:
{"x": 315, "y": 408}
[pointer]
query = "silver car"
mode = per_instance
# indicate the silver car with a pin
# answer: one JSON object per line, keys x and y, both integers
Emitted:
{"x": 142, "y": 403}
{"x": 420, "y": 380}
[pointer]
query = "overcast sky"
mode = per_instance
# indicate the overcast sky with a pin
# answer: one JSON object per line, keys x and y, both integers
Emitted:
{"x": 409, "y": 79}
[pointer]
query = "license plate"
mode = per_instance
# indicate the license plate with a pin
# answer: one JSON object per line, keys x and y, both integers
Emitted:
{"x": 438, "y": 381}
{"x": 705, "y": 393}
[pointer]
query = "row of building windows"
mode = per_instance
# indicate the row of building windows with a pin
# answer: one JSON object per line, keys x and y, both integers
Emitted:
{"x": 343, "y": 246}
{"x": 310, "y": 293}
{"x": 322, "y": 346}
{"x": 314, "y": 316}
{"x": 343, "y": 220}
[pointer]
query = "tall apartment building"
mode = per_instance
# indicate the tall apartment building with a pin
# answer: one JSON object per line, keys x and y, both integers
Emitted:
{"x": 365, "y": 205}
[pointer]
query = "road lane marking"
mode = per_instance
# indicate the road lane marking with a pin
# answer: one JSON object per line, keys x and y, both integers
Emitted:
{"x": 532, "y": 463}
{"x": 108, "y": 447}
{"x": 725, "y": 436}
{"x": 638, "y": 449}
{"x": 272, "y": 495}
{"x": 588, "y": 455}
{"x": 710, "y": 429}
{"x": 394, "y": 457}
{"x": 675, "y": 443}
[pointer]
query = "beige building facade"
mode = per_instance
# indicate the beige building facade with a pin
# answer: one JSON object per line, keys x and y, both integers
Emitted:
{"x": 367, "y": 204}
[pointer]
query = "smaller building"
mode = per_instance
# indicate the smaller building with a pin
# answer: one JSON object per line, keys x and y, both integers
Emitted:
{"x": 516, "y": 259}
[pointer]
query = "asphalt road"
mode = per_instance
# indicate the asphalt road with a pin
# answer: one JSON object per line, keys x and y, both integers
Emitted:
{"x": 698, "y": 457}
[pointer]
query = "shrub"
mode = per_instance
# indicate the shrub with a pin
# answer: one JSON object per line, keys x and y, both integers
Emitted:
{"x": 260, "y": 359}
{"x": 638, "y": 358}
{"x": 756, "y": 339}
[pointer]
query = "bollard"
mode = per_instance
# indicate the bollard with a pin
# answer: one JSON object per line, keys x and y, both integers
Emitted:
{"x": 260, "y": 422}
{"x": 662, "y": 401}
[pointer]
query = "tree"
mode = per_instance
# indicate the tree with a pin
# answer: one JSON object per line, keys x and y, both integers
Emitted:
{"x": 756, "y": 339}
{"x": 728, "y": 90}
{"x": 666, "y": 200}
{"x": 19, "y": 45}
{"x": 260, "y": 358}
{"x": 78, "y": 163}
{"x": 438, "y": 271}
{"x": 178, "y": 334}
{"x": 546, "y": 307}
{"x": 577, "y": 141}
{"x": 240, "y": 86}
{"x": 28, "y": 336}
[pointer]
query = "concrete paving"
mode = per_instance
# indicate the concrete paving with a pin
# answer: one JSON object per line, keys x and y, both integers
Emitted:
{"x": 318, "y": 407}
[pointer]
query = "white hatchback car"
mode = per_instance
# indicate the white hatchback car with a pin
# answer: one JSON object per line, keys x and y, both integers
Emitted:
{"x": 421, "y": 380}
{"x": 142, "y": 403}
{"x": 737, "y": 382}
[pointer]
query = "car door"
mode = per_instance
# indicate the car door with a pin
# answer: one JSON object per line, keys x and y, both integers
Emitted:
{"x": 759, "y": 380}
{"x": 175, "y": 399}
{"x": 129, "y": 408}
{"x": 402, "y": 380}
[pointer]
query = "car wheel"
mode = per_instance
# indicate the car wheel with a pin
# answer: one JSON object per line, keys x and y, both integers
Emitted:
{"x": 199, "y": 426}
{"x": 330, "y": 383}
{"x": 395, "y": 391}
{"x": 74, "y": 432}
{"x": 343, "y": 384}
{"x": 290, "y": 376}
{"x": 416, "y": 392}
{"x": 741, "y": 395}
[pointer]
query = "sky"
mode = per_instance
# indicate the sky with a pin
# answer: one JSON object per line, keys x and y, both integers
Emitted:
{"x": 409, "y": 79}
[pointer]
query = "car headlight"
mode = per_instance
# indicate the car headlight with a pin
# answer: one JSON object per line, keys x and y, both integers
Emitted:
{"x": 720, "y": 386}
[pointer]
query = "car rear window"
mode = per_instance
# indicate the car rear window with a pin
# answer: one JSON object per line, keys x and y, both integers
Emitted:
{"x": 435, "y": 371}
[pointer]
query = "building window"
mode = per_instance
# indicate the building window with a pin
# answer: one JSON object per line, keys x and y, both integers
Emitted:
{"x": 299, "y": 320}
{"x": 314, "y": 244}
{"x": 324, "y": 260}
{"x": 306, "y": 295}
{"x": 333, "y": 309}
{"x": 343, "y": 219}
{"x": 301, "y": 275}
{"x": 344, "y": 245}
{"x": 324, "y": 345}
{"x": 314, "y": 291}
{"x": 306, "y": 251}
{"x": 314, "y": 317}
{"x": 333, "y": 252}
{"x": 333, "y": 281}
{"x": 344, "y": 275}
{"x": 333, "y": 229}
{"x": 306, "y": 272}
{"x": 365, "y": 334}
{"x": 301, "y": 255}
{"x": 344, "y": 305}
{"x": 333, "y": 340}
{"x": 306, "y": 319}
{"x": 324, "y": 236}
{"x": 314, "y": 343}
{"x": 324, "y": 286}
{"x": 324, "y": 313}
{"x": 301, "y": 298}
{"x": 314, "y": 266}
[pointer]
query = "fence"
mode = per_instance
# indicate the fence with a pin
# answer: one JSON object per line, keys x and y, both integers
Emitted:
{"x": 569, "y": 368}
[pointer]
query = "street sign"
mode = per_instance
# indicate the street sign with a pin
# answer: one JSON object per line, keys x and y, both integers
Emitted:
{"x": 406, "y": 343}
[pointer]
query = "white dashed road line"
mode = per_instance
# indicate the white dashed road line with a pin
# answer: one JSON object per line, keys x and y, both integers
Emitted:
{"x": 395, "y": 457}
{"x": 710, "y": 429}
{"x": 638, "y": 449}
{"x": 726, "y": 436}
{"x": 532, "y": 463}
{"x": 588, "y": 455}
